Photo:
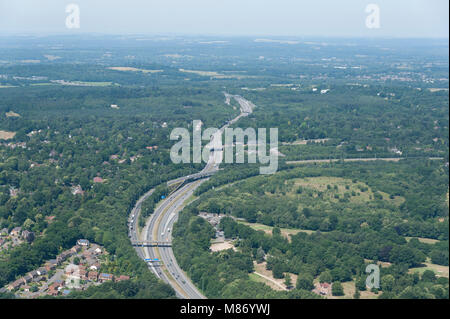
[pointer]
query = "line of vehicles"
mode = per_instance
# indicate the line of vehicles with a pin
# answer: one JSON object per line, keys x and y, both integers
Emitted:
{"x": 158, "y": 227}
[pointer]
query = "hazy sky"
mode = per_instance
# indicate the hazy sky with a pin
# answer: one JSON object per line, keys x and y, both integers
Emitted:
{"x": 398, "y": 18}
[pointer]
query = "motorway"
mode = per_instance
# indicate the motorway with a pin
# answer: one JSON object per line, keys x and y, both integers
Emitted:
{"x": 158, "y": 228}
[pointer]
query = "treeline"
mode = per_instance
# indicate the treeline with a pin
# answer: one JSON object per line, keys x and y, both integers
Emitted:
{"x": 339, "y": 257}
{"x": 369, "y": 195}
{"x": 223, "y": 274}
{"x": 72, "y": 136}
{"x": 148, "y": 206}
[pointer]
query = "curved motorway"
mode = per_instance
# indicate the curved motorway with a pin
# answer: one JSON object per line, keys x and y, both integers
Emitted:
{"x": 158, "y": 228}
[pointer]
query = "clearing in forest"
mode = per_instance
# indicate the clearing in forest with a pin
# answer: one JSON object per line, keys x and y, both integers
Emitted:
{"x": 5, "y": 135}
{"x": 130, "y": 69}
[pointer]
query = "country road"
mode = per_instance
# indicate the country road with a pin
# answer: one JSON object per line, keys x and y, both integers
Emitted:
{"x": 158, "y": 228}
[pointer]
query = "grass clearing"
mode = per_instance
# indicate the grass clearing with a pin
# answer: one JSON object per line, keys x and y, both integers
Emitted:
{"x": 12, "y": 114}
{"x": 424, "y": 240}
{"x": 441, "y": 271}
{"x": 222, "y": 246}
{"x": 5, "y": 135}
{"x": 263, "y": 275}
{"x": 268, "y": 229}
{"x": 331, "y": 187}
{"x": 81, "y": 83}
{"x": 130, "y": 69}
{"x": 217, "y": 75}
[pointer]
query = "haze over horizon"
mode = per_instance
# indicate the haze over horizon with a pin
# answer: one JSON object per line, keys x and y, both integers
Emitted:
{"x": 323, "y": 18}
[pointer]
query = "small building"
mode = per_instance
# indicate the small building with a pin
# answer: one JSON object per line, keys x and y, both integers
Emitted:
{"x": 122, "y": 277}
{"x": 16, "y": 231}
{"x": 38, "y": 279}
{"x": 98, "y": 179}
{"x": 41, "y": 271}
{"x": 15, "y": 285}
{"x": 77, "y": 190}
{"x": 93, "y": 275}
{"x": 324, "y": 288}
{"x": 83, "y": 274}
{"x": 27, "y": 278}
{"x": 4, "y": 232}
{"x": 83, "y": 242}
{"x": 94, "y": 267}
{"x": 49, "y": 219}
{"x": 64, "y": 255}
{"x": 51, "y": 264}
{"x": 105, "y": 277}
{"x": 52, "y": 291}
{"x": 76, "y": 248}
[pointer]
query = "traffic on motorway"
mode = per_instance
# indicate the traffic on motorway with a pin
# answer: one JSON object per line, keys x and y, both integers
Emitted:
{"x": 161, "y": 260}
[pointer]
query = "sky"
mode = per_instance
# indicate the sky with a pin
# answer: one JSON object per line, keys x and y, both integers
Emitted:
{"x": 304, "y": 18}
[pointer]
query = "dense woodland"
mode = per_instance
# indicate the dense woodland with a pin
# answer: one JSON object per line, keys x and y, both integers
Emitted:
{"x": 370, "y": 220}
{"x": 76, "y": 136}
{"x": 345, "y": 214}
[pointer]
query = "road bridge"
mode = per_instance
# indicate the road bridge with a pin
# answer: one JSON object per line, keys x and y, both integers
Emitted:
{"x": 151, "y": 243}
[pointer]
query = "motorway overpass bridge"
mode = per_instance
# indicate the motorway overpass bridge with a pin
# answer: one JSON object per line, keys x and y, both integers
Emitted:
{"x": 190, "y": 178}
{"x": 137, "y": 243}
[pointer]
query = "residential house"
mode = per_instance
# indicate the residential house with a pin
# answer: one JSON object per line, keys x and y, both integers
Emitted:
{"x": 50, "y": 219}
{"x": 98, "y": 179}
{"x": 95, "y": 266}
{"x": 324, "y": 288}
{"x": 15, "y": 285}
{"x": 76, "y": 248}
{"x": 77, "y": 190}
{"x": 83, "y": 242}
{"x": 83, "y": 274}
{"x": 38, "y": 279}
{"x": 105, "y": 277}
{"x": 27, "y": 278}
{"x": 52, "y": 291}
{"x": 51, "y": 264}
{"x": 16, "y": 231}
{"x": 93, "y": 275}
{"x": 41, "y": 271}
{"x": 64, "y": 255}
{"x": 122, "y": 277}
